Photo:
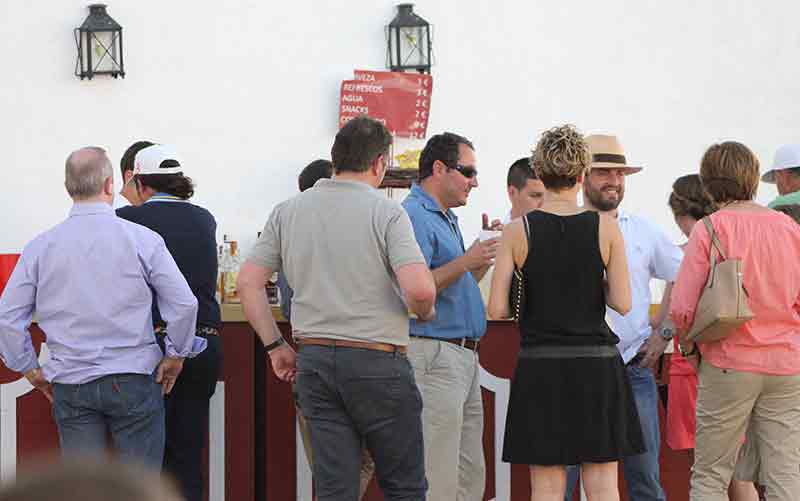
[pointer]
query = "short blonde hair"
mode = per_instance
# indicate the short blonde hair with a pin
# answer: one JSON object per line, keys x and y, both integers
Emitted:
{"x": 561, "y": 155}
{"x": 729, "y": 172}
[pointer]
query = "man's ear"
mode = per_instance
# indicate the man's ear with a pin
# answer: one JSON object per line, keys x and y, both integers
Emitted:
{"x": 439, "y": 167}
{"x": 108, "y": 186}
{"x": 377, "y": 166}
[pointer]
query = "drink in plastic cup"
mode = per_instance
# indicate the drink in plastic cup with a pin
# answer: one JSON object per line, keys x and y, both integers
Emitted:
{"x": 489, "y": 234}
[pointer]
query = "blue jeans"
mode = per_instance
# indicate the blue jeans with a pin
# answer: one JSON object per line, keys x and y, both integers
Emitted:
{"x": 642, "y": 472}
{"x": 349, "y": 396}
{"x": 129, "y": 407}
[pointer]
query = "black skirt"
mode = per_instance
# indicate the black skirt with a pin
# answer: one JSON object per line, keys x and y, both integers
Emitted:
{"x": 571, "y": 406}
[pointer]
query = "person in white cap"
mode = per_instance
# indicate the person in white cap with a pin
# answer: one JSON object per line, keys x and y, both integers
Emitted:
{"x": 190, "y": 234}
{"x": 785, "y": 173}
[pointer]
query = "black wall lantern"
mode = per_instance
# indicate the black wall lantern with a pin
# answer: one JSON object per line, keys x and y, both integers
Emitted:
{"x": 408, "y": 41}
{"x": 99, "y": 43}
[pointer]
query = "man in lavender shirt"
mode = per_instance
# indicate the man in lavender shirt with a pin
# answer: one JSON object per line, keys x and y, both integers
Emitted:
{"x": 91, "y": 281}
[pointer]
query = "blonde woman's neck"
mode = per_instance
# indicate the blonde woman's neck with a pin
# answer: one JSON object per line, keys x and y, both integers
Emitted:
{"x": 562, "y": 203}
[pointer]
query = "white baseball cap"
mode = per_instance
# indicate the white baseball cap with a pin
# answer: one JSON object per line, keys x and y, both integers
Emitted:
{"x": 157, "y": 159}
{"x": 787, "y": 157}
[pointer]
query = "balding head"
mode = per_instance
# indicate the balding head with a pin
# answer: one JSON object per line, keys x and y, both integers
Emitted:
{"x": 87, "y": 172}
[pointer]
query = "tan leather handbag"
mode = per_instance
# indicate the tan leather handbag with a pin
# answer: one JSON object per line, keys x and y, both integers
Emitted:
{"x": 723, "y": 305}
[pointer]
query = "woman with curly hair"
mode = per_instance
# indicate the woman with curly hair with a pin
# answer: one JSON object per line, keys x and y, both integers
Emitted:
{"x": 571, "y": 402}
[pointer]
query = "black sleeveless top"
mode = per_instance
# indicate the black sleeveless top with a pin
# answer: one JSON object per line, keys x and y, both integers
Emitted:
{"x": 565, "y": 301}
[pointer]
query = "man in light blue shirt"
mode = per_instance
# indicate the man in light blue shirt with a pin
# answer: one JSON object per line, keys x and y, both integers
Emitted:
{"x": 444, "y": 351}
{"x": 651, "y": 255}
{"x": 89, "y": 280}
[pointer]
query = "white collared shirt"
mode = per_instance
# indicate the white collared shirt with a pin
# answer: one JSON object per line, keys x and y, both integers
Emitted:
{"x": 650, "y": 255}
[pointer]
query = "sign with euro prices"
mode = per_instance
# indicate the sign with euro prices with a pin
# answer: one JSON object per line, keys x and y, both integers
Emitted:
{"x": 401, "y": 101}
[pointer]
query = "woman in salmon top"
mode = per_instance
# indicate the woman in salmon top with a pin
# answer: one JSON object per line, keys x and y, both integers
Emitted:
{"x": 689, "y": 204}
{"x": 752, "y": 377}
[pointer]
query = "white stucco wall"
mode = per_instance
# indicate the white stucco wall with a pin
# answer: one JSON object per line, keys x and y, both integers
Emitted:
{"x": 248, "y": 90}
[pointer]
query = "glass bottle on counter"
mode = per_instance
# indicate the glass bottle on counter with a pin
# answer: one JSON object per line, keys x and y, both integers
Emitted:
{"x": 220, "y": 273}
{"x": 232, "y": 266}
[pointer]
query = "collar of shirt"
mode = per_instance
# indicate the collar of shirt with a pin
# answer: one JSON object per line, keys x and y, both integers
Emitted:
{"x": 164, "y": 197}
{"x": 622, "y": 215}
{"x": 787, "y": 199}
{"x": 430, "y": 203}
{"x": 89, "y": 208}
{"x": 343, "y": 183}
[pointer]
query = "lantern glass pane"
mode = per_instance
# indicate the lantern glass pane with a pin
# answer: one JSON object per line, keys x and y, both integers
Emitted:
{"x": 414, "y": 46}
{"x": 104, "y": 46}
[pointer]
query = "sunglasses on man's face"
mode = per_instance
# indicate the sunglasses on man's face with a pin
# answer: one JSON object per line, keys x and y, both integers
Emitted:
{"x": 467, "y": 171}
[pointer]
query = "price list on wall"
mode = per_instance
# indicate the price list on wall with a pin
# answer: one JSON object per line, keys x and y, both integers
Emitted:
{"x": 401, "y": 101}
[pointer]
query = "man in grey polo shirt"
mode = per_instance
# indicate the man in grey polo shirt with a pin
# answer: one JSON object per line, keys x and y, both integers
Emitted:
{"x": 356, "y": 268}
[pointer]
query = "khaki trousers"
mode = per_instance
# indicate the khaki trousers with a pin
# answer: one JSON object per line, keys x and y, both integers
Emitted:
{"x": 448, "y": 377}
{"x": 727, "y": 402}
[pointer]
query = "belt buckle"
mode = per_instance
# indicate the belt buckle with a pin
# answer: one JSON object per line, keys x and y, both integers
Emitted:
{"x": 463, "y": 342}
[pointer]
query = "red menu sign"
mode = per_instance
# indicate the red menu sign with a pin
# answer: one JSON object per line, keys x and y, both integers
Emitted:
{"x": 401, "y": 101}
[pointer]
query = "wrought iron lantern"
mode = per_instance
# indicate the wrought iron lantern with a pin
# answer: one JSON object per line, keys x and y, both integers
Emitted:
{"x": 408, "y": 39}
{"x": 99, "y": 43}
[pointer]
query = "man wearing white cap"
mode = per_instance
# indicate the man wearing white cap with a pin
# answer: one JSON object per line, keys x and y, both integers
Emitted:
{"x": 642, "y": 339}
{"x": 785, "y": 173}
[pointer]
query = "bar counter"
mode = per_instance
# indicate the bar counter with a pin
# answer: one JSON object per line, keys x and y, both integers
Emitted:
{"x": 253, "y": 439}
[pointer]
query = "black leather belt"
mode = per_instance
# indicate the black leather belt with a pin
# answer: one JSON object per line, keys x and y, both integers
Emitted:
{"x": 464, "y": 342}
{"x": 200, "y": 331}
{"x": 207, "y": 331}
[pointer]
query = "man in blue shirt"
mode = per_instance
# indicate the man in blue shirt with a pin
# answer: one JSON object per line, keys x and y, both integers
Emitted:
{"x": 444, "y": 351}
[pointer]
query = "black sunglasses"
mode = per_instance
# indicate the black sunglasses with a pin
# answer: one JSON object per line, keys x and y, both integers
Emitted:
{"x": 467, "y": 171}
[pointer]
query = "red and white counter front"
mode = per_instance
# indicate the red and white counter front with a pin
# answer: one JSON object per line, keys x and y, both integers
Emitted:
{"x": 253, "y": 452}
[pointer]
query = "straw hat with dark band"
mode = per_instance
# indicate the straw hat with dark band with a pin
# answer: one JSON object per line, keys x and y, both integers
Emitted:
{"x": 607, "y": 153}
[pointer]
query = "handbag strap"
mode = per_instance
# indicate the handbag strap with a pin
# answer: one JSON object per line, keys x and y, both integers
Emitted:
{"x": 714, "y": 239}
{"x": 715, "y": 243}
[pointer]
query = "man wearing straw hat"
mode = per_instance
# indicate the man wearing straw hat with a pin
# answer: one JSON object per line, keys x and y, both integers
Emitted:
{"x": 651, "y": 255}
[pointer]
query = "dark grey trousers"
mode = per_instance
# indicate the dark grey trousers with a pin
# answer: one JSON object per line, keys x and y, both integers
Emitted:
{"x": 351, "y": 396}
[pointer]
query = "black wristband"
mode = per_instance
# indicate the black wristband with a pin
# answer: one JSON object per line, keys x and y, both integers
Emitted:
{"x": 695, "y": 351}
{"x": 278, "y": 342}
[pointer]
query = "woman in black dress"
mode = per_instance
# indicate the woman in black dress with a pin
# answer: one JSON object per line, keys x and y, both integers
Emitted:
{"x": 571, "y": 402}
